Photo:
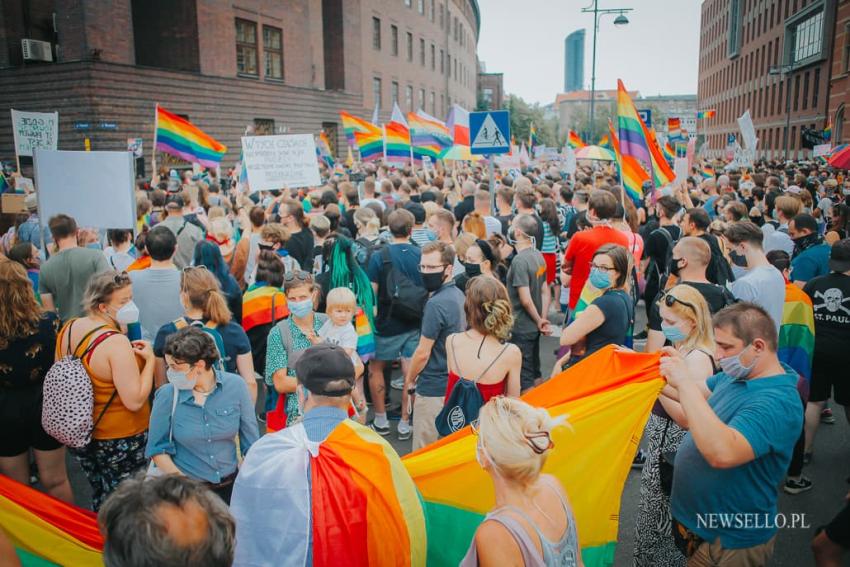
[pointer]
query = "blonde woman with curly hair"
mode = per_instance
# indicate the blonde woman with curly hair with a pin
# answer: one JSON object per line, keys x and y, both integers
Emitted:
{"x": 533, "y": 522}
{"x": 495, "y": 365}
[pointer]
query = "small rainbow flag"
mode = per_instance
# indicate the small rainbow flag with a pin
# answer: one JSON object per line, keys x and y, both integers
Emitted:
{"x": 574, "y": 141}
{"x": 323, "y": 149}
{"x": 352, "y": 124}
{"x": 797, "y": 331}
{"x": 827, "y": 131}
{"x": 632, "y": 174}
{"x": 532, "y": 136}
{"x": 705, "y": 114}
{"x": 605, "y": 142}
{"x": 397, "y": 137}
{"x": 662, "y": 172}
{"x": 179, "y": 137}
{"x": 365, "y": 336}
{"x": 669, "y": 153}
{"x": 428, "y": 136}
{"x": 707, "y": 171}
{"x": 630, "y": 134}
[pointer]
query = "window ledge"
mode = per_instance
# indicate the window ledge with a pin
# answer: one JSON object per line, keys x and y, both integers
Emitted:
{"x": 247, "y": 76}
{"x": 274, "y": 80}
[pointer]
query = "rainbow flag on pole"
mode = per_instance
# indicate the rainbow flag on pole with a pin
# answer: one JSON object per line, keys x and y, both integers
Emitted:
{"x": 662, "y": 172}
{"x": 705, "y": 114}
{"x": 323, "y": 148}
{"x": 532, "y": 137}
{"x": 370, "y": 144}
{"x": 179, "y": 137}
{"x": 632, "y": 174}
{"x": 428, "y": 136}
{"x": 631, "y": 134}
{"x": 575, "y": 141}
{"x": 458, "y": 124}
{"x": 397, "y": 138}
{"x": 352, "y": 124}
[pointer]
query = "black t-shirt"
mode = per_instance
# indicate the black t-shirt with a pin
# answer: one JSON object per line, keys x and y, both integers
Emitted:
{"x": 300, "y": 247}
{"x": 506, "y": 222}
{"x": 656, "y": 249}
{"x": 830, "y": 296}
{"x": 718, "y": 270}
{"x": 464, "y": 207}
{"x": 347, "y": 221}
{"x": 618, "y": 309}
{"x": 716, "y": 296}
{"x": 25, "y": 361}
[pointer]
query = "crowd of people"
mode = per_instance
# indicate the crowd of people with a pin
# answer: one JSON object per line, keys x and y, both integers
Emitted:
{"x": 230, "y": 322}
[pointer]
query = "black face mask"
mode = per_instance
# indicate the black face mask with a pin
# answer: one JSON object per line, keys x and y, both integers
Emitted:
{"x": 675, "y": 268}
{"x": 738, "y": 259}
{"x": 472, "y": 270}
{"x": 433, "y": 281}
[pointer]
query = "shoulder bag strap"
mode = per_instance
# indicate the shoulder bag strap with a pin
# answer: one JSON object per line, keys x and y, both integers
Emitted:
{"x": 664, "y": 435}
{"x": 106, "y": 407}
{"x": 173, "y": 411}
{"x": 489, "y": 366}
{"x": 82, "y": 341}
{"x": 274, "y": 320}
{"x": 454, "y": 354}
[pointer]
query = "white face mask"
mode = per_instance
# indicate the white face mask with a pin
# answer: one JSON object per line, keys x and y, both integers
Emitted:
{"x": 127, "y": 314}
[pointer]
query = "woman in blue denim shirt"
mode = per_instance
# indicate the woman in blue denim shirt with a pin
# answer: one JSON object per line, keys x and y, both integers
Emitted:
{"x": 195, "y": 434}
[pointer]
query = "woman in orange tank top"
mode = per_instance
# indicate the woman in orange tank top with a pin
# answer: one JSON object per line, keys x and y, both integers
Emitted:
{"x": 122, "y": 376}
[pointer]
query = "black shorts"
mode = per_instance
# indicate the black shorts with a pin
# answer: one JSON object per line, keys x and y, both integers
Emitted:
{"x": 18, "y": 436}
{"x": 530, "y": 349}
{"x": 838, "y": 530}
{"x": 829, "y": 379}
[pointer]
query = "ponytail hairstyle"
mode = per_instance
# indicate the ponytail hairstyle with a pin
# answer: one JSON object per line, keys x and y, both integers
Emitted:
{"x": 204, "y": 292}
{"x": 488, "y": 308}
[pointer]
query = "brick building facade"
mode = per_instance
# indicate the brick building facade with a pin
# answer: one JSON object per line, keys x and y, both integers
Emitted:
{"x": 770, "y": 57}
{"x": 839, "y": 85}
{"x": 276, "y": 66}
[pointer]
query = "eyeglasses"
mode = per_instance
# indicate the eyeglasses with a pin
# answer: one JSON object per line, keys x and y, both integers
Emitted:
{"x": 299, "y": 275}
{"x": 603, "y": 268}
{"x": 669, "y": 300}
{"x": 423, "y": 267}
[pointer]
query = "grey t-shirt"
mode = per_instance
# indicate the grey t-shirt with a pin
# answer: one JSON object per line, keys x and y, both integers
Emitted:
{"x": 65, "y": 276}
{"x": 528, "y": 269}
{"x": 157, "y": 295}
{"x": 187, "y": 235}
{"x": 443, "y": 316}
{"x": 764, "y": 286}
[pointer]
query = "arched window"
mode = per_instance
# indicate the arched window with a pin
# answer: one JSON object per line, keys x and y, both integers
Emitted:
{"x": 837, "y": 129}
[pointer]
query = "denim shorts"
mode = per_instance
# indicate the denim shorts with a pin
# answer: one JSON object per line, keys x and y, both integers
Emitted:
{"x": 396, "y": 346}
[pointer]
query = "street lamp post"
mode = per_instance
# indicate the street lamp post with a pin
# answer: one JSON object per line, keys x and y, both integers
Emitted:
{"x": 620, "y": 20}
{"x": 785, "y": 70}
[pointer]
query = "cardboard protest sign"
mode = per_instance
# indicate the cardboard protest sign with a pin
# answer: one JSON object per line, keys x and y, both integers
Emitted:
{"x": 96, "y": 188}
{"x": 13, "y": 203}
{"x": 275, "y": 162}
{"x": 821, "y": 150}
{"x": 34, "y": 130}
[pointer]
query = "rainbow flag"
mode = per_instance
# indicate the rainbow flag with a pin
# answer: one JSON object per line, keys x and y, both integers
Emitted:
{"x": 46, "y": 531}
{"x": 705, "y": 114}
{"x": 179, "y": 137}
{"x": 674, "y": 129}
{"x": 669, "y": 153}
{"x": 827, "y": 131}
{"x": 632, "y": 174}
{"x": 630, "y": 128}
{"x": 607, "y": 398}
{"x": 323, "y": 149}
{"x": 360, "y": 503}
{"x": 365, "y": 336}
{"x": 352, "y": 124}
{"x": 797, "y": 331}
{"x": 257, "y": 306}
{"x": 458, "y": 124}
{"x": 532, "y": 136}
{"x": 4, "y": 185}
{"x": 575, "y": 141}
{"x": 397, "y": 137}
{"x": 662, "y": 172}
{"x": 428, "y": 136}
{"x": 370, "y": 144}
{"x": 604, "y": 142}
{"x": 349, "y": 158}
{"x": 707, "y": 171}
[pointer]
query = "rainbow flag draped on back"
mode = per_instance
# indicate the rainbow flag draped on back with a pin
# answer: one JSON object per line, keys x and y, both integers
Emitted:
{"x": 632, "y": 174}
{"x": 630, "y": 128}
{"x": 797, "y": 331}
{"x": 607, "y": 398}
{"x": 707, "y": 171}
{"x": 575, "y": 141}
{"x": 352, "y": 124}
{"x": 428, "y": 136}
{"x": 257, "y": 306}
{"x": 179, "y": 137}
{"x": 323, "y": 149}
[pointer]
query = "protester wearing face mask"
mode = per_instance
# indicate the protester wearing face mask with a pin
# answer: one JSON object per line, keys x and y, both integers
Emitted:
{"x": 479, "y": 260}
{"x": 197, "y": 416}
{"x": 607, "y": 320}
{"x": 811, "y": 253}
{"x": 686, "y": 323}
{"x": 427, "y": 374}
{"x": 742, "y": 426}
{"x": 122, "y": 376}
{"x": 533, "y": 522}
{"x": 275, "y": 479}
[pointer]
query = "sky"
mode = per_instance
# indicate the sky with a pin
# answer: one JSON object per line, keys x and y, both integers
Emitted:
{"x": 656, "y": 53}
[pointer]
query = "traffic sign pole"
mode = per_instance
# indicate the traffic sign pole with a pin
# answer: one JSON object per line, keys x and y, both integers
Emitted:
{"x": 492, "y": 185}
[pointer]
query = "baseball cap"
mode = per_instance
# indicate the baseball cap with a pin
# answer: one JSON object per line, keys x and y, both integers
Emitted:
{"x": 174, "y": 202}
{"x": 795, "y": 189}
{"x": 322, "y": 364}
{"x": 839, "y": 256}
{"x": 417, "y": 210}
{"x": 31, "y": 202}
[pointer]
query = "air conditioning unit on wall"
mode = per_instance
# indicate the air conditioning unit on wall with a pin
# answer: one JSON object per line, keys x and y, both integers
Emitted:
{"x": 35, "y": 50}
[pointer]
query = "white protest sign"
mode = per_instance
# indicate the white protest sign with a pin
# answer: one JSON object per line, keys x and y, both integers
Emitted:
{"x": 275, "y": 162}
{"x": 748, "y": 131}
{"x": 508, "y": 161}
{"x": 96, "y": 188}
{"x": 570, "y": 164}
{"x": 24, "y": 185}
{"x": 34, "y": 130}
{"x": 680, "y": 168}
{"x": 135, "y": 145}
{"x": 821, "y": 150}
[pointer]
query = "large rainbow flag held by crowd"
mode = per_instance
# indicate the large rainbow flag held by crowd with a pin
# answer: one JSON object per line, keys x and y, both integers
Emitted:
{"x": 177, "y": 136}
{"x": 607, "y": 398}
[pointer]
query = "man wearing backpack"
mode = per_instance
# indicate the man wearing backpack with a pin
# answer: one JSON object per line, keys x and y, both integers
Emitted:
{"x": 187, "y": 233}
{"x": 428, "y": 368}
{"x": 659, "y": 247}
{"x": 695, "y": 222}
{"x": 394, "y": 272}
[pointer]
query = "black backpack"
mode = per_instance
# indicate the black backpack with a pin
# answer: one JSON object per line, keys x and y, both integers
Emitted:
{"x": 364, "y": 248}
{"x": 663, "y": 270}
{"x": 406, "y": 299}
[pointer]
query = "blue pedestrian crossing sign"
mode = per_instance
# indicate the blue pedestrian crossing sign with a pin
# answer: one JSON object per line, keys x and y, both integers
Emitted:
{"x": 490, "y": 132}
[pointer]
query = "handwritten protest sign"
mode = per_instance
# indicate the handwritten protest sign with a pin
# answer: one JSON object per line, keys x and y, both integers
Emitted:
{"x": 34, "y": 130}
{"x": 275, "y": 162}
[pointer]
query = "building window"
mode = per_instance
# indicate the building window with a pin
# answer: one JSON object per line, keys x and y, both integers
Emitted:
{"x": 376, "y": 91}
{"x": 733, "y": 34}
{"x": 442, "y": 15}
{"x": 806, "y": 38}
{"x": 395, "y": 92}
{"x": 433, "y": 57}
{"x": 376, "y": 33}
{"x": 246, "y": 47}
{"x": 796, "y": 92}
{"x": 408, "y": 98}
{"x": 845, "y": 58}
{"x": 442, "y": 62}
{"x": 408, "y": 3}
{"x": 422, "y": 98}
{"x": 431, "y": 10}
{"x": 806, "y": 91}
{"x": 409, "y": 46}
{"x": 422, "y": 51}
{"x": 394, "y": 40}
{"x": 442, "y": 105}
{"x": 273, "y": 52}
{"x": 816, "y": 89}
{"x": 432, "y": 102}
{"x": 264, "y": 126}
{"x": 420, "y": 4}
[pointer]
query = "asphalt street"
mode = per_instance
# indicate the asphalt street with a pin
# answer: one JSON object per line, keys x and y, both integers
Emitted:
{"x": 829, "y": 471}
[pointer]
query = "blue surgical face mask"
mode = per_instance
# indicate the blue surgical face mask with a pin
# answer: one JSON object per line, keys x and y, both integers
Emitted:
{"x": 673, "y": 333}
{"x": 599, "y": 278}
{"x": 301, "y": 308}
{"x": 430, "y": 234}
{"x": 180, "y": 380}
{"x": 732, "y": 365}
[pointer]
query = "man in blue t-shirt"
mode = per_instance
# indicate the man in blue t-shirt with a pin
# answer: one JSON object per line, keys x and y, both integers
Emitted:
{"x": 742, "y": 426}
{"x": 811, "y": 253}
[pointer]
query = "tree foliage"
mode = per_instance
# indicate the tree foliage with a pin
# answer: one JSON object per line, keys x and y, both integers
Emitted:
{"x": 524, "y": 114}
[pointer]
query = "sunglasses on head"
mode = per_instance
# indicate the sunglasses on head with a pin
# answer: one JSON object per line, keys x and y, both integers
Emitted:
{"x": 299, "y": 275}
{"x": 188, "y": 269}
{"x": 669, "y": 300}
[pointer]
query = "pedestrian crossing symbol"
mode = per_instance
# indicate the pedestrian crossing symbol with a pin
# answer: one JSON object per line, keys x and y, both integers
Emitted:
{"x": 490, "y": 132}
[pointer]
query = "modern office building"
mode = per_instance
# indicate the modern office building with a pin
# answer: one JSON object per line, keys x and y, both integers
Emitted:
{"x": 574, "y": 61}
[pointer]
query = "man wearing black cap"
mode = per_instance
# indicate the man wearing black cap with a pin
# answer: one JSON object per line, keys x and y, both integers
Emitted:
{"x": 188, "y": 234}
{"x": 420, "y": 234}
{"x": 272, "y": 496}
{"x": 830, "y": 296}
